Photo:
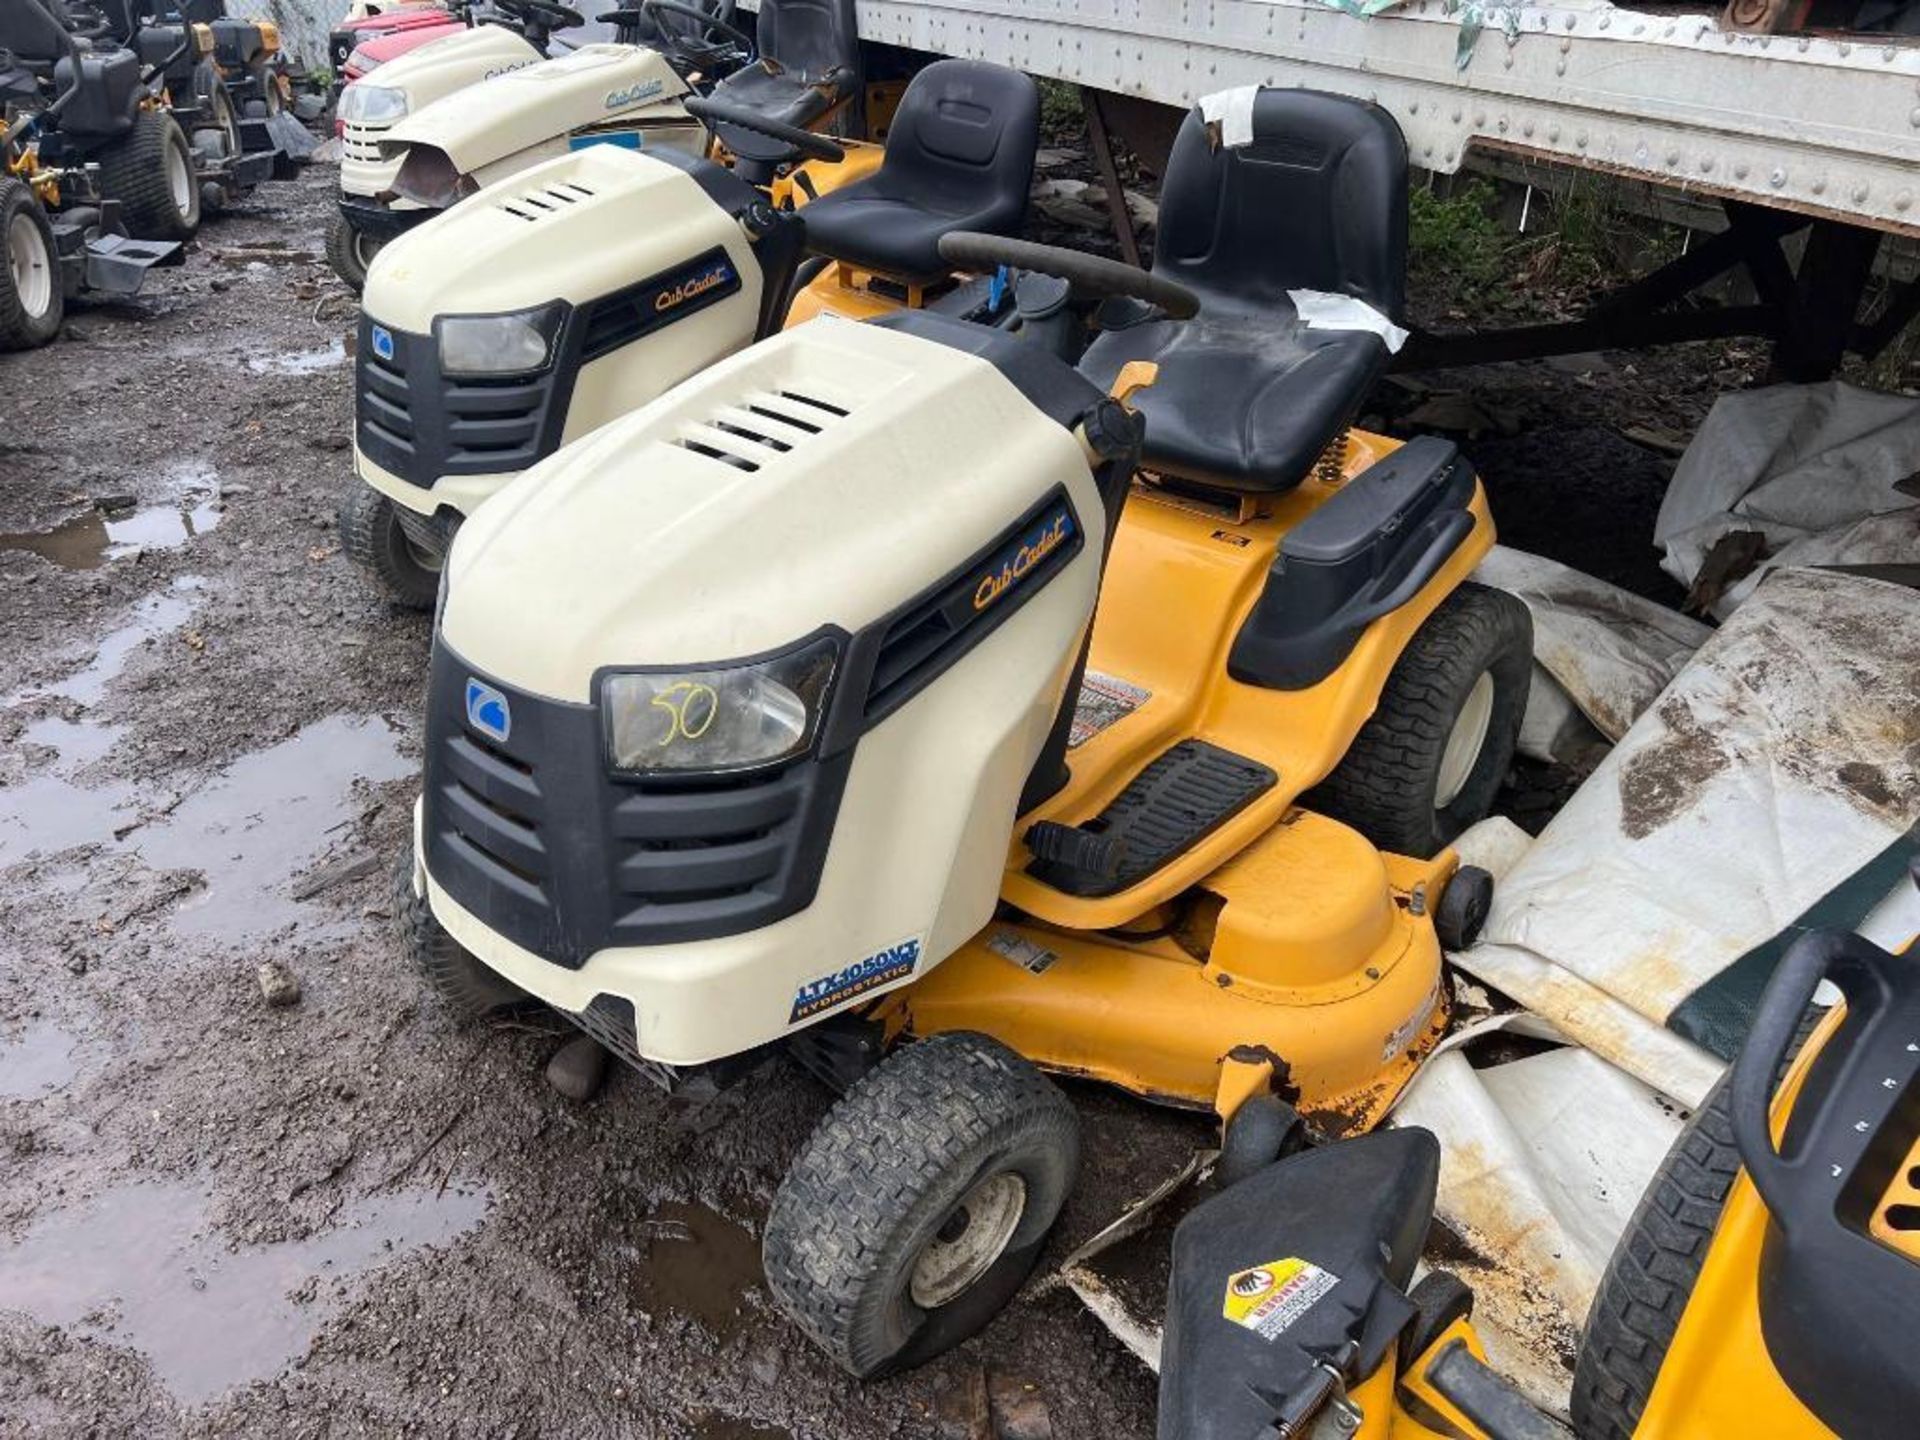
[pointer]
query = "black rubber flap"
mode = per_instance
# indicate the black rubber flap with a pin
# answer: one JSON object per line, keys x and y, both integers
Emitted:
{"x": 1186, "y": 794}
{"x": 1282, "y": 1271}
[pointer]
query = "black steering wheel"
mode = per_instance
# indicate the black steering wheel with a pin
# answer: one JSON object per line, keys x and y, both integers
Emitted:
{"x": 546, "y": 15}
{"x": 713, "y": 112}
{"x": 713, "y": 27}
{"x": 1091, "y": 274}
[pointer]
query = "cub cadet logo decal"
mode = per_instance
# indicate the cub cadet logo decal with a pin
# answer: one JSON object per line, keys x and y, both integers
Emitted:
{"x": 1268, "y": 1298}
{"x": 633, "y": 94}
{"x": 507, "y": 69}
{"x": 383, "y": 342}
{"x": 896, "y": 962}
{"x": 675, "y": 296}
{"x": 1053, "y": 532}
{"x": 488, "y": 711}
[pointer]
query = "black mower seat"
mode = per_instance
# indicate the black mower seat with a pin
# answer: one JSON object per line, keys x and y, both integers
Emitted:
{"x": 959, "y": 157}
{"x": 809, "y": 64}
{"x": 1247, "y": 396}
{"x": 34, "y": 37}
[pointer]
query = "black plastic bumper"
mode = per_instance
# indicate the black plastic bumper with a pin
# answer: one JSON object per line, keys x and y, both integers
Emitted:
{"x": 382, "y": 222}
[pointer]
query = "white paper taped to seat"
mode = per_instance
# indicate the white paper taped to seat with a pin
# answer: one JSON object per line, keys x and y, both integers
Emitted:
{"x": 1323, "y": 310}
{"x": 1232, "y": 112}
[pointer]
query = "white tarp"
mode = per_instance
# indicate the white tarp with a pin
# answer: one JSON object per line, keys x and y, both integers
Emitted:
{"x": 1774, "y": 782}
{"x": 1815, "y": 470}
{"x": 1598, "y": 650}
{"x": 1784, "y": 758}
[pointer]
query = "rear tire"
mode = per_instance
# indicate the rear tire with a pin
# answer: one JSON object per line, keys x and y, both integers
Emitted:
{"x": 1429, "y": 761}
{"x": 32, "y": 300}
{"x": 349, "y": 252}
{"x": 918, "y": 1206}
{"x": 467, "y": 987}
{"x": 372, "y": 536}
{"x": 151, "y": 174}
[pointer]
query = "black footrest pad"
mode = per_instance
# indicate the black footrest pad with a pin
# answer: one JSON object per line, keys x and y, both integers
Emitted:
{"x": 1171, "y": 806}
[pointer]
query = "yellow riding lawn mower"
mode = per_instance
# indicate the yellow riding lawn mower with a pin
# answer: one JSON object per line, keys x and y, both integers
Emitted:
{"x": 406, "y": 162}
{"x": 903, "y": 697}
{"x": 1766, "y": 1285}
{"x": 590, "y": 285}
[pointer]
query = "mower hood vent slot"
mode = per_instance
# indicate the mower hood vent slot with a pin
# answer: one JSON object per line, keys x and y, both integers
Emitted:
{"x": 537, "y": 203}
{"x": 760, "y": 428}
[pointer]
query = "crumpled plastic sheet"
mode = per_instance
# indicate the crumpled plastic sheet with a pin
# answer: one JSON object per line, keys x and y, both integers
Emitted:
{"x": 1822, "y": 472}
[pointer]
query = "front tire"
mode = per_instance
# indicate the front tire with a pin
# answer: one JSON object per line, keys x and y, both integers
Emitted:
{"x": 349, "y": 252}
{"x": 151, "y": 174}
{"x": 1430, "y": 760}
{"x": 918, "y": 1206}
{"x": 468, "y": 988}
{"x": 32, "y": 301}
{"x": 373, "y": 537}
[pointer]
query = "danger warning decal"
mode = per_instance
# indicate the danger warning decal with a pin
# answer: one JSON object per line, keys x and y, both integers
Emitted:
{"x": 1268, "y": 1298}
{"x": 1103, "y": 700}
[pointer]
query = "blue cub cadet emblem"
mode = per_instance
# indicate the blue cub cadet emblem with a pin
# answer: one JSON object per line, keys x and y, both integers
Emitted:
{"x": 488, "y": 711}
{"x": 816, "y": 997}
{"x": 383, "y": 342}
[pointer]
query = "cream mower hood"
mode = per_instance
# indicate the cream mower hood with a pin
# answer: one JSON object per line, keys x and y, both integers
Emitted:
{"x": 513, "y": 112}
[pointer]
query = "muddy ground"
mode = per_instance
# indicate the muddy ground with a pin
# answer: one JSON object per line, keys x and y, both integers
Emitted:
{"x": 347, "y": 1215}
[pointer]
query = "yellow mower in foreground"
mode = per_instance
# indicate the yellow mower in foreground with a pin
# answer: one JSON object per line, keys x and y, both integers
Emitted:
{"x": 1767, "y": 1284}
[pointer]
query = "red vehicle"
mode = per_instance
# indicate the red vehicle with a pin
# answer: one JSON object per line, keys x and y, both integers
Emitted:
{"x": 381, "y": 37}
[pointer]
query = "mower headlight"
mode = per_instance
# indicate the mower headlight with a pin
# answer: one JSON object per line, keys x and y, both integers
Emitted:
{"x": 364, "y": 104}
{"x": 496, "y": 344}
{"x": 707, "y": 721}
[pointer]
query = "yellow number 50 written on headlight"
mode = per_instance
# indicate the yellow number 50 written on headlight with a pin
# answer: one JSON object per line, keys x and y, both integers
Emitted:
{"x": 691, "y": 708}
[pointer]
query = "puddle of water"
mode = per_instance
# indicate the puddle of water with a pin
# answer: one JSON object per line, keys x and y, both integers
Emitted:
{"x": 90, "y": 540}
{"x": 255, "y": 828}
{"x": 49, "y": 810}
{"x": 140, "y": 1266}
{"x": 300, "y": 362}
{"x": 698, "y": 1263}
{"x": 715, "y": 1426}
{"x": 251, "y": 830}
{"x": 35, "y": 1062}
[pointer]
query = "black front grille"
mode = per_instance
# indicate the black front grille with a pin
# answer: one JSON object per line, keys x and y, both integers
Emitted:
{"x": 534, "y": 836}
{"x": 420, "y": 425}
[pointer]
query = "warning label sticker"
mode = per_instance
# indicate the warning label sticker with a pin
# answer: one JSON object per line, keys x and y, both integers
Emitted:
{"x": 1021, "y": 951}
{"x": 1268, "y": 1298}
{"x": 1104, "y": 699}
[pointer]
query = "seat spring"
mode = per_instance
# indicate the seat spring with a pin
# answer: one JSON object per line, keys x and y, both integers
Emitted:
{"x": 1331, "y": 467}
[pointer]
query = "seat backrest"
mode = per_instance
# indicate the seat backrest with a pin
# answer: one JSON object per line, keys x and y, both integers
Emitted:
{"x": 1316, "y": 201}
{"x": 965, "y": 136}
{"x": 33, "y": 34}
{"x": 809, "y": 37}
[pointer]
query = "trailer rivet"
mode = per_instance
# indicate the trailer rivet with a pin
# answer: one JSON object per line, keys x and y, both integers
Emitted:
{"x": 1581, "y": 139}
{"x": 1859, "y": 194}
{"x": 1820, "y": 187}
{"x": 1777, "y": 179}
{"x": 1903, "y": 201}
{"x": 1673, "y": 158}
{"x": 1914, "y": 118}
{"x": 1740, "y": 171}
{"x": 1706, "y": 164}
{"x": 1553, "y": 135}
